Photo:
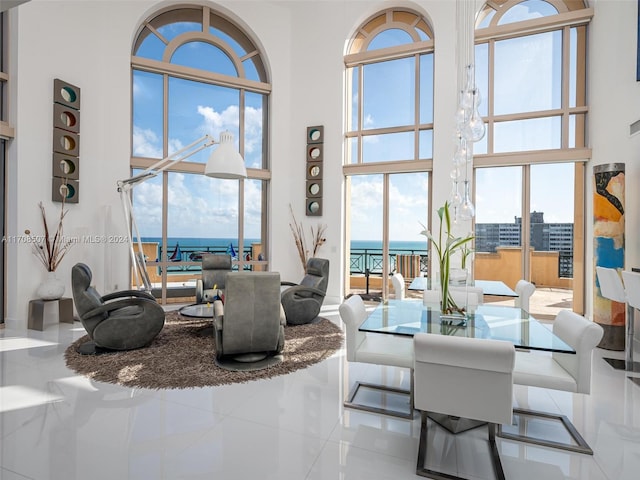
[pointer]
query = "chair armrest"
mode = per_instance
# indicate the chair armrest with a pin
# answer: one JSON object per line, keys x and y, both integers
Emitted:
{"x": 199, "y": 290}
{"x": 218, "y": 315}
{"x": 304, "y": 292}
{"x": 127, "y": 293}
{"x": 125, "y": 302}
{"x": 291, "y": 284}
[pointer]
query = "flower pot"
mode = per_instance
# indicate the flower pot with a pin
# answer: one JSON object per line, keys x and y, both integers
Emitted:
{"x": 52, "y": 288}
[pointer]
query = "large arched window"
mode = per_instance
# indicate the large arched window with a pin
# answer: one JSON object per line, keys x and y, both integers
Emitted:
{"x": 195, "y": 72}
{"x": 530, "y": 61}
{"x": 389, "y": 147}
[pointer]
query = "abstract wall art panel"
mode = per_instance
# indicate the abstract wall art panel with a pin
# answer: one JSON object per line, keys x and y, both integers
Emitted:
{"x": 608, "y": 248}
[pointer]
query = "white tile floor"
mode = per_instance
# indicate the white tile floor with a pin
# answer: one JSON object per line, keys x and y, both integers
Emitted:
{"x": 57, "y": 425}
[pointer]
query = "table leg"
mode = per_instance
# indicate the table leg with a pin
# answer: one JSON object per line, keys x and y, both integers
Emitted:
{"x": 35, "y": 320}
{"x": 65, "y": 310}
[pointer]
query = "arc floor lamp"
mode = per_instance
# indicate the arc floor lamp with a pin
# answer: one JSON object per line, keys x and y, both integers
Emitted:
{"x": 224, "y": 162}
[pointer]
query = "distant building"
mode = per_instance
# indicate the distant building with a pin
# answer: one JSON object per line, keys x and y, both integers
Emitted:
{"x": 545, "y": 237}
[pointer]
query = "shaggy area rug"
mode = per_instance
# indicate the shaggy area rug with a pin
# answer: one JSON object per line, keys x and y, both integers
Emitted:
{"x": 182, "y": 356}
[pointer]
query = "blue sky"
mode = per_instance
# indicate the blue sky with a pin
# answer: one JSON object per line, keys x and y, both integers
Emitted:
{"x": 205, "y": 207}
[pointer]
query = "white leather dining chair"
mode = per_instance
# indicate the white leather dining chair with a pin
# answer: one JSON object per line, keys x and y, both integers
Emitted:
{"x": 559, "y": 371}
{"x": 611, "y": 285}
{"x": 430, "y": 297}
{"x": 378, "y": 349}
{"x": 467, "y": 296}
{"x": 397, "y": 280}
{"x": 632, "y": 293}
{"x": 613, "y": 288}
{"x": 524, "y": 289}
{"x": 463, "y": 377}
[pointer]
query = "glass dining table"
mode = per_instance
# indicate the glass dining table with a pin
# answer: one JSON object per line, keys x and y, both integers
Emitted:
{"x": 489, "y": 287}
{"x": 408, "y": 317}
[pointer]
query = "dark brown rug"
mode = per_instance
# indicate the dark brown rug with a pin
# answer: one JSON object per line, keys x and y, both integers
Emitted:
{"x": 182, "y": 356}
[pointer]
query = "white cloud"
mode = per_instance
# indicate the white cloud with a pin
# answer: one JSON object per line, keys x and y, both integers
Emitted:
{"x": 229, "y": 119}
{"x": 253, "y": 129}
{"x": 368, "y": 121}
{"x": 146, "y": 143}
{"x": 215, "y": 122}
{"x": 200, "y": 206}
{"x": 147, "y": 208}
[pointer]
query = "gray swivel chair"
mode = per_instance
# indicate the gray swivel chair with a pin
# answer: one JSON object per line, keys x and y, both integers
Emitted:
{"x": 122, "y": 320}
{"x": 302, "y": 302}
{"x": 249, "y": 326}
{"x": 214, "y": 271}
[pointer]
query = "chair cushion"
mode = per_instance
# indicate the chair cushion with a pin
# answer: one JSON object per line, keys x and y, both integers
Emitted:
{"x": 540, "y": 370}
{"x": 88, "y": 300}
{"x": 386, "y": 350}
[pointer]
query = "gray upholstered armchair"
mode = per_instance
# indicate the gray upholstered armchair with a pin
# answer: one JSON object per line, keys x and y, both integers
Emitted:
{"x": 249, "y": 326}
{"x": 214, "y": 271}
{"x": 117, "y": 321}
{"x": 302, "y": 302}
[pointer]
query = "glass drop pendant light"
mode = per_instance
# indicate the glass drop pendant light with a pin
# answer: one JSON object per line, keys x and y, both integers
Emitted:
{"x": 455, "y": 199}
{"x": 466, "y": 211}
{"x": 474, "y": 129}
{"x": 470, "y": 127}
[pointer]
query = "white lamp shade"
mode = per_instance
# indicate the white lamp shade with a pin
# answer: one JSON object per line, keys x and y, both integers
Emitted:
{"x": 225, "y": 161}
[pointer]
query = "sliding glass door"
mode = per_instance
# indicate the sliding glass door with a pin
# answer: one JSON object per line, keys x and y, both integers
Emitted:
{"x": 527, "y": 225}
{"x": 385, "y": 216}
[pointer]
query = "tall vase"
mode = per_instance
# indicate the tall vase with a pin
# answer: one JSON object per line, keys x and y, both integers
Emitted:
{"x": 454, "y": 277}
{"x": 52, "y": 288}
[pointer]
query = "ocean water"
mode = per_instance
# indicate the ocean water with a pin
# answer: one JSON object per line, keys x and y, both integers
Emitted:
{"x": 216, "y": 243}
{"x": 395, "y": 246}
{"x": 193, "y": 243}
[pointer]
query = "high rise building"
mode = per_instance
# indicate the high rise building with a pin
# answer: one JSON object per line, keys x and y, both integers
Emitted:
{"x": 545, "y": 237}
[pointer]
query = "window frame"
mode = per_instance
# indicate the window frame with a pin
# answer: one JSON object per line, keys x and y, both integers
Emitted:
{"x": 570, "y": 15}
{"x": 207, "y": 18}
{"x": 357, "y": 57}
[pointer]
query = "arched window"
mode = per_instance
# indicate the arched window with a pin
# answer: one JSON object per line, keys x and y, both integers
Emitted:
{"x": 389, "y": 138}
{"x": 195, "y": 72}
{"x": 530, "y": 59}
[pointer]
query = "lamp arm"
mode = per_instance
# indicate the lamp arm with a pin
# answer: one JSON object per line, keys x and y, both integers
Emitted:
{"x": 206, "y": 141}
{"x": 125, "y": 186}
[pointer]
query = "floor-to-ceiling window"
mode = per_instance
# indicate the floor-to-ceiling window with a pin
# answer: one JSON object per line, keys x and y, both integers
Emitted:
{"x": 196, "y": 72}
{"x": 529, "y": 169}
{"x": 6, "y": 133}
{"x": 389, "y": 148}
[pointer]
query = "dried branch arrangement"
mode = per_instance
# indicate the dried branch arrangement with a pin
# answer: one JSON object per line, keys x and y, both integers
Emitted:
{"x": 50, "y": 250}
{"x": 317, "y": 236}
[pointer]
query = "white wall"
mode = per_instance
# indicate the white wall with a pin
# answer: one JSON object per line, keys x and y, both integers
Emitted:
{"x": 88, "y": 43}
{"x": 614, "y": 103}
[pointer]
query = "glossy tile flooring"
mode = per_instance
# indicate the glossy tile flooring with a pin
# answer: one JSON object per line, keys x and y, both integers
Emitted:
{"x": 57, "y": 425}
